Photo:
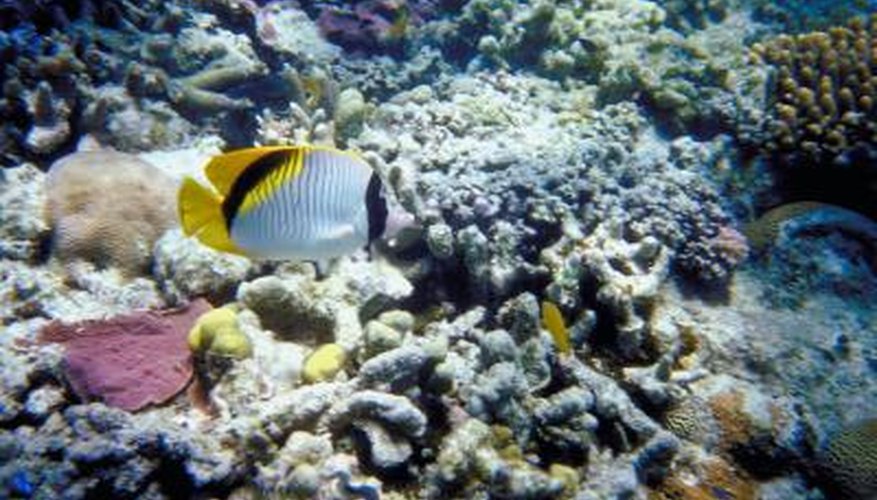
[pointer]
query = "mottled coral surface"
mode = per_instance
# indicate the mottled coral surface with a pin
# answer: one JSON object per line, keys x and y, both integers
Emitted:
{"x": 108, "y": 208}
{"x": 129, "y": 361}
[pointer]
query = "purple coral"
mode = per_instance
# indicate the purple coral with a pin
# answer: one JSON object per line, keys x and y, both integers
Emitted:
{"x": 128, "y": 361}
{"x": 368, "y": 27}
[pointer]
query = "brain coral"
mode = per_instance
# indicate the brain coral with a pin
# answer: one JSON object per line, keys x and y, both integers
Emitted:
{"x": 850, "y": 460}
{"x": 108, "y": 208}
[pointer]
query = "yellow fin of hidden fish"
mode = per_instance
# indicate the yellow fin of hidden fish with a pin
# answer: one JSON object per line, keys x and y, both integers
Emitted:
{"x": 223, "y": 170}
{"x": 201, "y": 215}
{"x": 552, "y": 320}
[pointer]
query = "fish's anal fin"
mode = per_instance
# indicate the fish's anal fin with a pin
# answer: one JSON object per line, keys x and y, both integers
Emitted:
{"x": 200, "y": 212}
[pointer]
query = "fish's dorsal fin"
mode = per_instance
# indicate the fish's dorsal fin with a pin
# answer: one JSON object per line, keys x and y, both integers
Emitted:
{"x": 223, "y": 170}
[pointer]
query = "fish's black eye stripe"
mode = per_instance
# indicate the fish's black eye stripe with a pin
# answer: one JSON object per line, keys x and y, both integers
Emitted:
{"x": 376, "y": 205}
{"x": 250, "y": 178}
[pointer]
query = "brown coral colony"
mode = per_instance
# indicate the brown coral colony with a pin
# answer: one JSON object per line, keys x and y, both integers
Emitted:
{"x": 825, "y": 90}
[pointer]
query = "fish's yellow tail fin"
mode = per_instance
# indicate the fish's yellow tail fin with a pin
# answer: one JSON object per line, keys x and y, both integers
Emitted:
{"x": 201, "y": 216}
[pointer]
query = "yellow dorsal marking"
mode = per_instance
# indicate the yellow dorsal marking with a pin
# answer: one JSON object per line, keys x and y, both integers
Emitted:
{"x": 552, "y": 320}
{"x": 223, "y": 170}
{"x": 263, "y": 191}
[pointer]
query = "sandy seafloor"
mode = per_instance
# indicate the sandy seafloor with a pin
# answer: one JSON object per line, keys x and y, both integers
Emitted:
{"x": 691, "y": 183}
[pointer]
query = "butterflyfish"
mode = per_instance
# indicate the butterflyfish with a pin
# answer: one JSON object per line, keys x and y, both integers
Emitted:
{"x": 552, "y": 320}
{"x": 308, "y": 203}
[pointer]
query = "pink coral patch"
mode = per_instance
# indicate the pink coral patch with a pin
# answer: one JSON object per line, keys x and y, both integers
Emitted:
{"x": 128, "y": 361}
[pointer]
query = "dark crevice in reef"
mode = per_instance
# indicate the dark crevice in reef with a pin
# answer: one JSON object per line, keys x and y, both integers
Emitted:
{"x": 852, "y": 186}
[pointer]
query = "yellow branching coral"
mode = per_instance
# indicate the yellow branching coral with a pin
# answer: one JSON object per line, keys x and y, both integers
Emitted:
{"x": 824, "y": 92}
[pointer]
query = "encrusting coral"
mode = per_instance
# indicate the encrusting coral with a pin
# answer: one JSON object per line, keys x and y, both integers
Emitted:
{"x": 129, "y": 361}
{"x": 108, "y": 208}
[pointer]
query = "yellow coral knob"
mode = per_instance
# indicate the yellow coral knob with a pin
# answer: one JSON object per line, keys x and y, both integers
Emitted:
{"x": 217, "y": 332}
{"x": 230, "y": 342}
{"x": 217, "y": 318}
{"x": 201, "y": 335}
{"x": 324, "y": 363}
{"x": 195, "y": 338}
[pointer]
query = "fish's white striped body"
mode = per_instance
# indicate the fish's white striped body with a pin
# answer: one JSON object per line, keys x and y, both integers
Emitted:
{"x": 286, "y": 202}
{"x": 318, "y": 214}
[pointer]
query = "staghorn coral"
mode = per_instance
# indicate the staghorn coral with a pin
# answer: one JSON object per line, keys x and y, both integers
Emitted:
{"x": 108, "y": 208}
{"x": 825, "y": 113}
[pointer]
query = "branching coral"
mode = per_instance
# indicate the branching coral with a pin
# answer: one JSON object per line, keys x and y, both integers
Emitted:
{"x": 825, "y": 91}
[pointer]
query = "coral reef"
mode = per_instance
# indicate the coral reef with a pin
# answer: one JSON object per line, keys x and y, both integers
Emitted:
{"x": 108, "y": 208}
{"x": 473, "y": 451}
{"x": 824, "y": 121}
{"x": 835, "y": 246}
{"x": 692, "y": 15}
{"x": 587, "y": 155}
{"x": 324, "y": 363}
{"x": 184, "y": 268}
{"x": 371, "y": 26}
{"x": 567, "y": 164}
{"x": 62, "y": 453}
{"x": 22, "y": 226}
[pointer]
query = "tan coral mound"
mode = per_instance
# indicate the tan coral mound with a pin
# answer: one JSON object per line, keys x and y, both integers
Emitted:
{"x": 108, "y": 208}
